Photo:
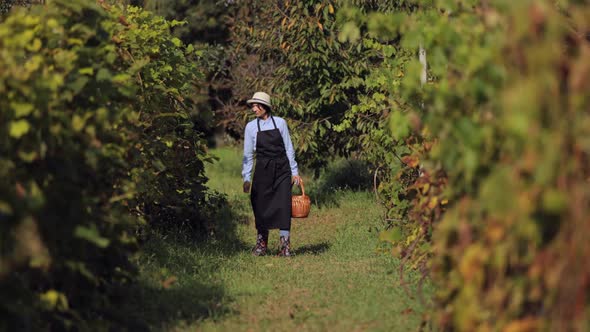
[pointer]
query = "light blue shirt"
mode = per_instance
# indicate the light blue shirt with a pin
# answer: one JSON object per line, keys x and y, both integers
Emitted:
{"x": 250, "y": 144}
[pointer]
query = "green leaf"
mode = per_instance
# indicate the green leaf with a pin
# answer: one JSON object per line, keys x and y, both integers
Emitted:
{"x": 81, "y": 268}
{"x": 174, "y": 23}
{"x": 5, "y": 208}
{"x": 350, "y": 32}
{"x": 19, "y": 128}
{"x": 78, "y": 84}
{"x": 159, "y": 165}
{"x": 103, "y": 75}
{"x": 554, "y": 201}
{"x": 91, "y": 235}
{"x": 86, "y": 71}
{"x": 392, "y": 235}
{"x": 121, "y": 78}
{"x": 27, "y": 156}
{"x": 177, "y": 42}
{"x": 399, "y": 125}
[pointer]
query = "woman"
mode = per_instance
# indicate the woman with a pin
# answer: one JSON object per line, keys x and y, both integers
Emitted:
{"x": 274, "y": 174}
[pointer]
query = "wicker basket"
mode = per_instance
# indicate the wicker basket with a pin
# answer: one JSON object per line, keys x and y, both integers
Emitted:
{"x": 300, "y": 204}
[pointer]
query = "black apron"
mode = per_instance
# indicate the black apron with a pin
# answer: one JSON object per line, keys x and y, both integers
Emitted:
{"x": 271, "y": 185}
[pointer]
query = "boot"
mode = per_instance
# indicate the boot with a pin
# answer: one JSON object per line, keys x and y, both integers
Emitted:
{"x": 261, "y": 246}
{"x": 285, "y": 247}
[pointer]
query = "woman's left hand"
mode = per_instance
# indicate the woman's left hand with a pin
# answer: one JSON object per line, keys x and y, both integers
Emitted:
{"x": 296, "y": 179}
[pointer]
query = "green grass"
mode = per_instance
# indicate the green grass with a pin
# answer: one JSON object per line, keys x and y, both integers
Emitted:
{"x": 336, "y": 282}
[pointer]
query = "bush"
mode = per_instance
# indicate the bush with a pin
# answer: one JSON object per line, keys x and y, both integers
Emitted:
{"x": 95, "y": 139}
{"x": 498, "y": 135}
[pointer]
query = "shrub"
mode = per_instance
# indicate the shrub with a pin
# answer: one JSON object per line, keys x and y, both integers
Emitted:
{"x": 95, "y": 139}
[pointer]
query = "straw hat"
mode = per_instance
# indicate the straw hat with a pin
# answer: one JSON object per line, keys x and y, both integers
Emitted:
{"x": 260, "y": 98}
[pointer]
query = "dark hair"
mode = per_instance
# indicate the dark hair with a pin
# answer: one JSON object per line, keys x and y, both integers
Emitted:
{"x": 266, "y": 108}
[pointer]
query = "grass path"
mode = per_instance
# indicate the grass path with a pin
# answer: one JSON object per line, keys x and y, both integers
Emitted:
{"x": 336, "y": 282}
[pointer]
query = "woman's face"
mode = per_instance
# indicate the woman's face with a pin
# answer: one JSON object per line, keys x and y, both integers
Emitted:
{"x": 259, "y": 110}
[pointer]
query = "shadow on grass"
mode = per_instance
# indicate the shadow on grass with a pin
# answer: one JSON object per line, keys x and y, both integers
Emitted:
{"x": 312, "y": 249}
{"x": 178, "y": 283}
{"x": 146, "y": 307}
{"x": 179, "y": 275}
{"x": 339, "y": 175}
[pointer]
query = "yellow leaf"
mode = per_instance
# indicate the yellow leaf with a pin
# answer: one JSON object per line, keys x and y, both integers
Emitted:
{"x": 470, "y": 263}
{"x": 433, "y": 202}
{"x": 52, "y": 23}
{"x": 5, "y": 208}
{"x": 50, "y": 297}
{"x": 330, "y": 9}
{"x": 320, "y": 26}
{"x": 19, "y": 128}
{"x": 27, "y": 156}
{"x": 35, "y": 45}
{"x": 33, "y": 64}
{"x": 77, "y": 122}
{"x": 21, "y": 109}
{"x": 54, "y": 300}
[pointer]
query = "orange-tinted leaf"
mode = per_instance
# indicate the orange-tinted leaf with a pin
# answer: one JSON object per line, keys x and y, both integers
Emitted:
{"x": 411, "y": 161}
{"x": 529, "y": 324}
{"x": 168, "y": 282}
{"x": 20, "y": 190}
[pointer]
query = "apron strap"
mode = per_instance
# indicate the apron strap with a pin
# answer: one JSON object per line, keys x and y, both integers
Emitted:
{"x": 273, "y": 122}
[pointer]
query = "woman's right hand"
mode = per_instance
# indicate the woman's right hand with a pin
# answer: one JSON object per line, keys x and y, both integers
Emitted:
{"x": 296, "y": 179}
{"x": 246, "y": 187}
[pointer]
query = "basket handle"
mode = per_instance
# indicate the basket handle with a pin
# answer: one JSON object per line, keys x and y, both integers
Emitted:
{"x": 302, "y": 187}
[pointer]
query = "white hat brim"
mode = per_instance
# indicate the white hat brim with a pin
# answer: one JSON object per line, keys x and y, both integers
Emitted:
{"x": 258, "y": 101}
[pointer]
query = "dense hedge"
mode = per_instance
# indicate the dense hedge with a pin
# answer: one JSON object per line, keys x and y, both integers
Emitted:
{"x": 96, "y": 139}
{"x": 507, "y": 255}
{"x": 499, "y": 135}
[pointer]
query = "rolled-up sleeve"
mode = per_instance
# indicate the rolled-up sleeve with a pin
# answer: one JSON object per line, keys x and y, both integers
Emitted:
{"x": 248, "y": 160}
{"x": 289, "y": 148}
